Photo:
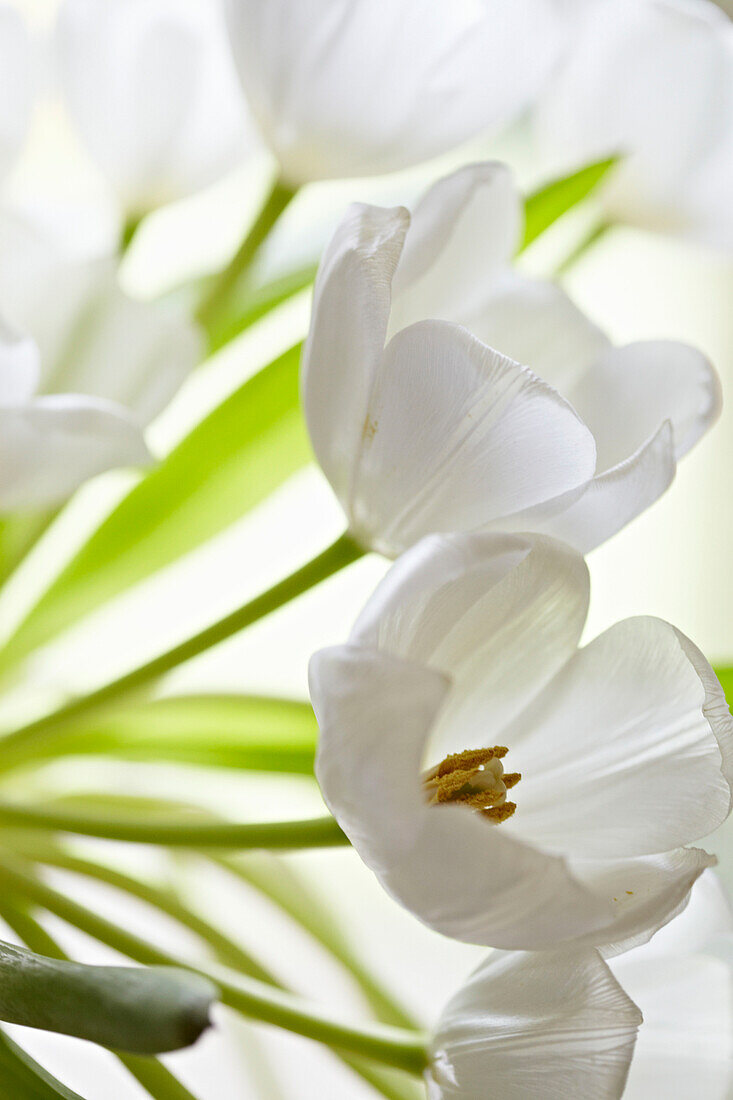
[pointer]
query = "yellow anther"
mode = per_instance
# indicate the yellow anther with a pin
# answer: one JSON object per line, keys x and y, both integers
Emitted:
{"x": 473, "y": 778}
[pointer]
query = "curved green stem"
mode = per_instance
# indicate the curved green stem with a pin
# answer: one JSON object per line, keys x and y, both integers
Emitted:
{"x": 341, "y": 553}
{"x": 217, "y": 297}
{"x": 292, "y": 895}
{"x": 318, "y": 832}
{"x": 405, "y": 1050}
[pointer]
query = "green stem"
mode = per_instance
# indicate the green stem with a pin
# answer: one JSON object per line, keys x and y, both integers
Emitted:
{"x": 158, "y": 1081}
{"x": 129, "y": 231}
{"x": 317, "y": 832}
{"x": 405, "y": 1050}
{"x": 279, "y": 883}
{"x": 216, "y": 299}
{"x": 341, "y": 553}
{"x": 227, "y": 952}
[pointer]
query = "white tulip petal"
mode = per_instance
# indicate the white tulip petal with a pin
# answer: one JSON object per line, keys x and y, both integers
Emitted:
{"x": 610, "y": 500}
{"x": 536, "y": 323}
{"x": 628, "y": 751}
{"x": 456, "y": 436}
{"x": 91, "y": 336}
{"x": 630, "y": 391}
{"x": 451, "y": 868}
{"x": 464, "y": 231}
{"x": 685, "y": 1047}
{"x": 704, "y": 924}
{"x": 152, "y": 89}
{"x": 498, "y": 614}
{"x": 350, "y": 313}
{"x": 51, "y": 445}
{"x": 355, "y": 89}
{"x": 645, "y": 893}
{"x": 553, "y": 1025}
{"x": 20, "y": 367}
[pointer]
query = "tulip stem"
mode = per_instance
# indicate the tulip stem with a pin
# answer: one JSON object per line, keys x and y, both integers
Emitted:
{"x": 341, "y": 553}
{"x": 402, "y": 1049}
{"x": 216, "y": 299}
{"x": 318, "y": 832}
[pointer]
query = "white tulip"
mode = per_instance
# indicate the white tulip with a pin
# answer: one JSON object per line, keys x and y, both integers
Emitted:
{"x": 621, "y": 751}
{"x": 356, "y": 88}
{"x": 151, "y": 88}
{"x": 553, "y": 1025}
{"x": 651, "y": 80}
{"x": 15, "y": 75}
{"x": 421, "y": 426}
{"x": 92, "y": 368}
{"x": 682, "y": 981}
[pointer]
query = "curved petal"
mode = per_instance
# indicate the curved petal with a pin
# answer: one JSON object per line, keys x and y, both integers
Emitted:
{"x": 351, "y": 305}
{"x": 20, "y": 367}
{"x": 464, "y": 231}
{"x": 535, "y": 322}
{"x": 628, "y": 751}
{"x": 705, "y": 923}
{"x": 355, "y": 89}
{"x": 53, "y": 444}
{"x": 454, "y": 871}
{"x": 550, "y": 1024}
{"x": 498, "y": 614}
{"x": 152, "y": 90}
{"x": 630, "y": 392}
{"x": 459, "y": 435}
{"x": 645, "y": 894}
{"x": 610, "y": 500}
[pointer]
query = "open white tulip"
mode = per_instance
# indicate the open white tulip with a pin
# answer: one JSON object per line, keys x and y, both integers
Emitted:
{"x": 651, "y": 80}
{"x": 92, "y": 369}
{"x": 683, "y": 983}
{"x": 353, "y": 88}
{"x": 16, "y": 84}
{"x": 553, "y": 1025}
{"x": 151, "y": 88}
{"x": 621, "y": 752}
{"x": 421, "y": 425}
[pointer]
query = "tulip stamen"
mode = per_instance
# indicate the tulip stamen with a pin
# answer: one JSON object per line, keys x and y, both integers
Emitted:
{"x": 474, "y": 778}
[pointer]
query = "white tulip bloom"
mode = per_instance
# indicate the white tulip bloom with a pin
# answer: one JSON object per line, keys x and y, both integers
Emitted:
{"x": 353, "y": 88}
{"x": 151, "y": 88}
{"x": 553, "y": 1025}
{"x": 90, "y": 371}
{"x": 421, "y": 425}
{"x": 651, "y": 80}
{"x": 15, "y": 75}
{"x": 683, "y": 983}
{"x": 465, "y": 660}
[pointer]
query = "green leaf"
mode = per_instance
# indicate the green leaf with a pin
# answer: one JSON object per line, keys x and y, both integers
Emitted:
{"x": 229, "y": 463}
{"x": 136, "y": 1009}
{"x": 543, "y": 208}
{"x": 253, "y": 300}
{"x": 233, "y": 731}
{"x": 21, "y": 1078}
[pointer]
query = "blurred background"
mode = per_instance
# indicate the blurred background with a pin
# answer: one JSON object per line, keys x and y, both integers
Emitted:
{"x": 674, "y": 562}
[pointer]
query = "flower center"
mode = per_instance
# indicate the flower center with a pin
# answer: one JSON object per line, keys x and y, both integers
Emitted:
{"x": 473, "y": 778}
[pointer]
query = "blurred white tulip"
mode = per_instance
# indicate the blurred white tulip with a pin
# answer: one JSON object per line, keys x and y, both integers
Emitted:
{"x": 551, "y": 1025}
{"x": 152, "y": 90}
{"x": 540, "y": 424}
{"x": 15, "y": 84}
{"x": 651, "y": 80}
{"x": 682, "y": 981}
{"x": 91, "y": 368}
{"x": 356, "y": 88}
{"x": 467, "y": 654}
